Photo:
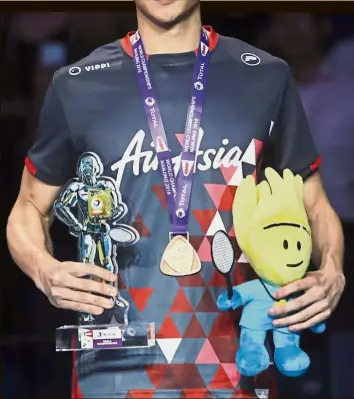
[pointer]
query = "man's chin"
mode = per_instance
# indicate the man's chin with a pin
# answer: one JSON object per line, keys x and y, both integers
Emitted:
{"x": 163, "y": 22}
{"x": 165, "y": 15}
{"x": 166, "y": 24}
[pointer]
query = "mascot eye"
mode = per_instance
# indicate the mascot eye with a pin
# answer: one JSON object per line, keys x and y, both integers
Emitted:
{"x": 299, "y": 245}
{"x": 285, "y": 244}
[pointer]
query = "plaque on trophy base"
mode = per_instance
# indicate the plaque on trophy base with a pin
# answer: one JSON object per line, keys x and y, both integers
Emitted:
{"x": 91, "y": 207}
{"x": 105, "y": 336}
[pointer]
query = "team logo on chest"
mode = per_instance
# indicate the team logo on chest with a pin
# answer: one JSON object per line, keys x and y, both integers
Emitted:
{"x": 145, "y": 161}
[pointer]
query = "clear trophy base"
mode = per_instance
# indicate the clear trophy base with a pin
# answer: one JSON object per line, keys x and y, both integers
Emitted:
{"x": 105, "y": 336}
{"x": 262, "y": 393}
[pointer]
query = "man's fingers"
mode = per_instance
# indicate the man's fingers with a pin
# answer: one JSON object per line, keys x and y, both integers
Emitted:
{"x": 312, "y": 321}
{"x": 87, "y": 269}
{"x": 78, "y": 307}
{"x": 60, "y": 293}
{"x": 87, "y": 285}
{"x": 309, "y": 297}
{"x": 297, "y": 286}
{"x": 303, "y": 315}
{"x": 319, "y": 276}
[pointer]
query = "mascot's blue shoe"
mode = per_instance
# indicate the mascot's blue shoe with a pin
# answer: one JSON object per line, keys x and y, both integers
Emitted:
{"x": 291, "y": 361}
{"x": 252, "y": 359}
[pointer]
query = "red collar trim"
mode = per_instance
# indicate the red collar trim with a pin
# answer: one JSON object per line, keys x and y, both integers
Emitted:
{"x": 127, "y": 46}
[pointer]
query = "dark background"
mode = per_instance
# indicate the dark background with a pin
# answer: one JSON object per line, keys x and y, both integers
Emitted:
{"x": 34, "y": 45}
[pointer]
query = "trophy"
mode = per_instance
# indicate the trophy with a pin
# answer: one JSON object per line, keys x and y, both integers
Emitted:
{"x": 91, "y": 207}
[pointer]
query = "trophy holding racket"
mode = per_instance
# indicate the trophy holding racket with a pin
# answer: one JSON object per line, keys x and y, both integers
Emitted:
{"x": 92, "y": 208}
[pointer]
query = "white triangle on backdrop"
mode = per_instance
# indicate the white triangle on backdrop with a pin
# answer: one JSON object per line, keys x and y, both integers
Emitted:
{"x": 216, "y": 225}
{"x": 237, "y": 177}
{"x": 250, "y": 154}
{"x": 169, "y": 347}
{"x": 243, "y": 259}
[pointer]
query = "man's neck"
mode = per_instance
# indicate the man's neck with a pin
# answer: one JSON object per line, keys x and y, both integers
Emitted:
{"x": 182, "y": 38}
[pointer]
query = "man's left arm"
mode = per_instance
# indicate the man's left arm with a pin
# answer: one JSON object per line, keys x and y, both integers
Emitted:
{"x": 292, "y": 147}
{"x": 327, "y": 234}
{"x": 321, "y": 289}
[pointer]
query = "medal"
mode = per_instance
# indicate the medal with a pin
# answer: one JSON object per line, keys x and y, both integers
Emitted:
{"x": 276, "y": 303}
{"x": 179, "y": 257}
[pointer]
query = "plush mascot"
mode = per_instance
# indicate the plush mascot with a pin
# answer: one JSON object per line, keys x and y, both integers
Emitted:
{"x": 273, "y": 231}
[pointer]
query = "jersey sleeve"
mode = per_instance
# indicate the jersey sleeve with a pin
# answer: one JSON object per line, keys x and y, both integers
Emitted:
{"x": 291, "y": 145}
{"x": 52, "y": 158}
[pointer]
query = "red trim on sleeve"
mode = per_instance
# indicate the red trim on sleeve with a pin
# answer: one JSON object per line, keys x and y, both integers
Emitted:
{"x": 316, "y": 164}
{"x": 127, "y": 46}
{"x": 30, "y": 167}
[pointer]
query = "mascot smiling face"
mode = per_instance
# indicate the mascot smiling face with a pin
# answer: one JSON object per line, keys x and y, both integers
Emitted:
{"x": 272, "y": 227}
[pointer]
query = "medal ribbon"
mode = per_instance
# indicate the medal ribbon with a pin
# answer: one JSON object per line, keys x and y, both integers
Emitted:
{"x": 177, "y": 190}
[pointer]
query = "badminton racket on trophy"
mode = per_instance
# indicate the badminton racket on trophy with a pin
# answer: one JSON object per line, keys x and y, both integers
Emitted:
{"x": 223, "y": 256}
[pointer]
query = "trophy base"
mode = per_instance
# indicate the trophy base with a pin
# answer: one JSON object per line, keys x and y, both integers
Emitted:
{"x": 262, "y": 393}
{"x": 105, "y": 336}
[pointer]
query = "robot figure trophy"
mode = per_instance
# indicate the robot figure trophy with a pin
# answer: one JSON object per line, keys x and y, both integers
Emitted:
{"x": 91, "y": 207}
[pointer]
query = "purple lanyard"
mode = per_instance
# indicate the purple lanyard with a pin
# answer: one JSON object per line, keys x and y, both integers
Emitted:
{"x": 178, "y": 190}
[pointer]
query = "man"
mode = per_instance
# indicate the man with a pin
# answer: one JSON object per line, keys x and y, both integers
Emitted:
{"x": 125, "y": 110}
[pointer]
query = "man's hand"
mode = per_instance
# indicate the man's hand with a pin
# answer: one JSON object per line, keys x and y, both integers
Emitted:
{"x": 321, "y": 292}
{"x": 65, "y": 287}
{"x": 321, "y": 289}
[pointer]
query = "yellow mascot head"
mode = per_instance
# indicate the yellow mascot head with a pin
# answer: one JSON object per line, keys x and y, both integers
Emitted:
{"x": 272, "y": 227}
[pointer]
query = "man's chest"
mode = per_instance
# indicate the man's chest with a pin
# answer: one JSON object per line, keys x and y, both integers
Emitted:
{"x": 234, "y": 125}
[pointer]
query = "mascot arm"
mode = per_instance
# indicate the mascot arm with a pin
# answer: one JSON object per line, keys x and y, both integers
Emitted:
{"x": 242, "y": 294}
{"x": 319, "y": 328}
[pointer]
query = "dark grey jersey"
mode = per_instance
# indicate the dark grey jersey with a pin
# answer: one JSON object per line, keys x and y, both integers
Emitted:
{"x": 252, "y": 118}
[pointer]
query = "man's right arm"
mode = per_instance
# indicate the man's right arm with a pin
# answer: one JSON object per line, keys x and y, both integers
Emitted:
{"x": 49, "y": 165}
{"x": 28, "y": 225}
{"x": 28, "y": 235}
